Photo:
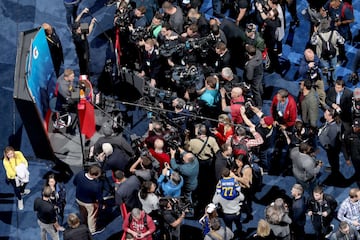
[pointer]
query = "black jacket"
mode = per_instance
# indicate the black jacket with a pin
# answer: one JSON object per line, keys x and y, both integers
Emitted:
{"x": 345, "y": 102}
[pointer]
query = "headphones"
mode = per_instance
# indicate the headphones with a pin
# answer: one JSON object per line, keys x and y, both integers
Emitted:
{"x": 180, "y": 103}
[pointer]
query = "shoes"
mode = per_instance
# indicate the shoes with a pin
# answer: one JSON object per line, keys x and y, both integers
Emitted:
{"x": 328, "y": 169}
{"x": 26, "y": 192}
{"x": 332, "y": 229}
{"x": 21, "y": 204}
{"x": 98, "y": 231}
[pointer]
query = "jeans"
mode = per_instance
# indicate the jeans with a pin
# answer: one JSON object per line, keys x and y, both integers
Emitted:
{"x": 229, "y": 219}
{"x": 71, "y": 12}
{"x": 48, "y": 228}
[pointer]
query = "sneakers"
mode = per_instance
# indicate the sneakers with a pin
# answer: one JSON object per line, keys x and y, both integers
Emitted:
{"x": 26, "y": 192}
{"x": 21, "y": 204}
{"x": 98, "y": 231}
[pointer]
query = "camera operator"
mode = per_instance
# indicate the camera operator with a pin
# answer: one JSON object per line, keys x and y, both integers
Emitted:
{"x": 155, "y": 26}
{"x": 143, "y": 169}
{"x": 155, "y": 131}
{"x": 180, "y": 116}
{"x": 310, "y": 69}
{"x": 175, "y": 16}
{"x": 188, "y": 166}
{"x": 170, "y": 182}
{"x": 321, "y": 209}
{"x": 304, "y": 166}
{"x": 199, "y": 19}
{"x": 353, "y": 150}
{"x": 228, "y": 79}
{"x": 81, "y": 43}
{"x": 254, "y": 73}
{"x": 172, "y": 218}
{"x": 138, "y": 18}
{"x": 223, "y": 58}
{"x": 236, "y": 101}
{"x": 272, "y": 23}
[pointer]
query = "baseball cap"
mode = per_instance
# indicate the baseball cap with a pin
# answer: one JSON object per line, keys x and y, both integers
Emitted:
{"x": 250, "y": 27}
{"x": 268, "y": 120}
{"x": 210, "y": 208}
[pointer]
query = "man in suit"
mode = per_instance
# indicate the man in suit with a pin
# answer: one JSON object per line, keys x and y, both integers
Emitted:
{"x": 340, "y": 99}
{"x": 151, "y": 66}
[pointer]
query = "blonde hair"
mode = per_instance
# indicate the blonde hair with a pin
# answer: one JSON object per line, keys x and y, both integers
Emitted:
{"x": 263, "y": 228}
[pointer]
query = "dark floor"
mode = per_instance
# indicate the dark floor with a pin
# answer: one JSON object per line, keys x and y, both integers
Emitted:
{"x": 17, "y": 16}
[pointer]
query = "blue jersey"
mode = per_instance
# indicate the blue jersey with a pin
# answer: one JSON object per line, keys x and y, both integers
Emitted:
{"x": 228, "y": 188}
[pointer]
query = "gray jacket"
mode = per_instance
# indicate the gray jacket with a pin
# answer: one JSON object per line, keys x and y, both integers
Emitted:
{"x": 304, "y": 166}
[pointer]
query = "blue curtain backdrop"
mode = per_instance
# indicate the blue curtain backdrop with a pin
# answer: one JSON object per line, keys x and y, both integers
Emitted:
{"x": 40, "y": 73}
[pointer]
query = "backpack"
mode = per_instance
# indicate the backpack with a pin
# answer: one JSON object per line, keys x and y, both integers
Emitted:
{"x": 346, "y": 5}
{"x": 328, "y": 50}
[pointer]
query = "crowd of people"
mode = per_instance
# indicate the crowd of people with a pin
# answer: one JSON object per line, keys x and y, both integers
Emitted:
{"x": 185, "y": 168}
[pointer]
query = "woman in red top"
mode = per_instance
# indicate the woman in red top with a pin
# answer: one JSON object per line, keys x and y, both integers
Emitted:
{"x": 224, "y": 129}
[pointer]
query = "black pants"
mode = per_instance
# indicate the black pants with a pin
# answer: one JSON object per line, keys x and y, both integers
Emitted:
{"x": 333, "y": 158}
{"x": 18, "y": 190}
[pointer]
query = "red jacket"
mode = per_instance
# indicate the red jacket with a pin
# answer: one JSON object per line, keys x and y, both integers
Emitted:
{"x": 290, "y": 113}
{"x": 235, "y": 105}
{"x": 139, "y": 226}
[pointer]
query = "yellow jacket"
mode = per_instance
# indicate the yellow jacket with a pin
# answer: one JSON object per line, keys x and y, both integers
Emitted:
{"x": 10, "y": 164}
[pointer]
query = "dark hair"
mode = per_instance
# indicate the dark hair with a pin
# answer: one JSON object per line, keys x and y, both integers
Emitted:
{"x": 118, "y": 174}
{"x": 251, "y": 50}
{"x": 95, "y": 171}
{"x": 340, "y": 82}
{"x": 318, "y": 189}
{"x": 146, "y": 162}
{"x": 225, "y": 172}
{"x": 51, "y": 176}
{"x": 225, "y": 147}
{"x": 308, "y": 84}
{"x": 145, "y": 188}
{"x": 158, "y": 16}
